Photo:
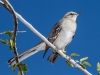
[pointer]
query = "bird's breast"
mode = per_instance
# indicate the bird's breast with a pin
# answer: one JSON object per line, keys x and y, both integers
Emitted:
{"x": 69, "y": 25}
{"x": 66, "y": 34}
{"x": 63, "y": 39}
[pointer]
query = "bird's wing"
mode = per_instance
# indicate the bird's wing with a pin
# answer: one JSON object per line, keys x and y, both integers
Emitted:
{"x": 53, "y": 34}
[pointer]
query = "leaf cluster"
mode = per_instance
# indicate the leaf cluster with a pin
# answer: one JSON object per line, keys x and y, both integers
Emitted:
{"x": 82, "y": 62}
{"x": 8, "y": 42}
{"x": 23, "y": 68}
{"x": 98, "y": 68}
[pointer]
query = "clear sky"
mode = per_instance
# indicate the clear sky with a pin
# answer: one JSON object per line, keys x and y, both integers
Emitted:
{"x": 43, "y": 14}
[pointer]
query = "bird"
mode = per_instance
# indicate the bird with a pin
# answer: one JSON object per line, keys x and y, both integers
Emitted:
{"x": 60, "y": 36}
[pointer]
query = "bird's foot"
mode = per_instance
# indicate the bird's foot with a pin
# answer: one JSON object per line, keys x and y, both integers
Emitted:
{"x": 63, "y": 51}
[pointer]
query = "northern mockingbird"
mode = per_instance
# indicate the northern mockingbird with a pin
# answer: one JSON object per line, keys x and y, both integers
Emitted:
{"x": 60, "y": 36}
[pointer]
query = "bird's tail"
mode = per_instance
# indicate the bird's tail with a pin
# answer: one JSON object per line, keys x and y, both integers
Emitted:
{"x": 53, "y": 57}
{"x": 28, "y": 53}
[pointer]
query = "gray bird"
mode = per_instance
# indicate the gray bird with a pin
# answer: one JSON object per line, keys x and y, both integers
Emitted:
{"x": 60, "y": 36}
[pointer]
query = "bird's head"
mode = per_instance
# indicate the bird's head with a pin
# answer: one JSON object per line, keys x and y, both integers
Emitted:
{"x": 72, "y": 15}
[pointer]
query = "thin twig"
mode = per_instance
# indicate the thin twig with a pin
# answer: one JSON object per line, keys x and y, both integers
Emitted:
{"x": 14, "y": 35}
{"x": 13, "y": 31}
{"x": 11, "y": 10}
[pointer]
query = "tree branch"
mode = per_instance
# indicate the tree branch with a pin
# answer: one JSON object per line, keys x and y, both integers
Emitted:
{"x": 51, "y": 45}
{"x": 7, "y": 5}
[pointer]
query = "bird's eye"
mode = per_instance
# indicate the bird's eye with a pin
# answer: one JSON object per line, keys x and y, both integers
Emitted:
{"x": 71, "y": 13}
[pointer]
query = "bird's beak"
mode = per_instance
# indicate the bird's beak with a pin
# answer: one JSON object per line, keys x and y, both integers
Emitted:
{"x": 79, "y": 13}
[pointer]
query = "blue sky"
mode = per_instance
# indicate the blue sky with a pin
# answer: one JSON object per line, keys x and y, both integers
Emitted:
{"x": 43, "y": 14}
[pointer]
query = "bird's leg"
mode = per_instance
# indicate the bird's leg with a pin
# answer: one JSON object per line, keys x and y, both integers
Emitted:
{"x": 63, "y": 51}
{"x": 54, "y": 51}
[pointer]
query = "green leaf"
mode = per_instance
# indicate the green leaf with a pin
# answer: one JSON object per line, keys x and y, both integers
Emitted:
{"x": 98, "y": 66}
{"x": 82, "y": 66}
{"x": 77, "y": 61}
{"x": 69, "y": 64}
{"x": 98, "y": 73}
{"x": 11, "y": 44}
{"x": 4, "y": 42}
{"x": 9, "y": 33}
{"x": 83, "y": 59}
{"x": 74, "y": 54}
{"x": 24, "y": 67}
{"x": 14, "y": 67}
{"x": 19, "y": 73}
{"x": 86, "y": 63}
{"x": 54, "y": 51}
